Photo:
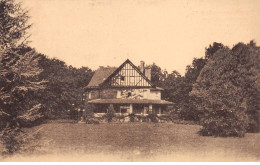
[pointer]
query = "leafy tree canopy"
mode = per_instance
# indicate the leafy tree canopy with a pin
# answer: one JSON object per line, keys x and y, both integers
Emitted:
{"x": 226, "y": 89}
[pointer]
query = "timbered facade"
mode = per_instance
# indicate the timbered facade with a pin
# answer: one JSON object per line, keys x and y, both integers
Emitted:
{"x": 128, "y": 76}
{"x": 128, "y": 88}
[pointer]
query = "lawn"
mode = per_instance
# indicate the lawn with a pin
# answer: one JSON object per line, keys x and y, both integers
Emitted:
{"x": 138, "y": 142}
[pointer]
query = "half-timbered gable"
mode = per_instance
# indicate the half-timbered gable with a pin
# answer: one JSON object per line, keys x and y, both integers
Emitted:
{"x": 127, "y": 75}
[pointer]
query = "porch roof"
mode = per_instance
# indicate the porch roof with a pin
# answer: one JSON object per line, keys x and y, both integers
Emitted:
{"x": 130, "y": 101}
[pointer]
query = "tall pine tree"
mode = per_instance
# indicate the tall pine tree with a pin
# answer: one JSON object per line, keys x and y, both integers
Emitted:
{"x": 19, "y": 82}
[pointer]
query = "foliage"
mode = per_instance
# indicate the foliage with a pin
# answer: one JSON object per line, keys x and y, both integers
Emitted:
{"x": 92, "y": 121}
{"x": 110, "y": 113}
{"x": 212, "y": 49}
{"x": 193, "y": 70}
{"x": 177, "y": 87}
{"x": 19, "y": 103}
{"x": 10, "y": 140}
{"x": 19, "y": 85}
{"x": 157, "y": 75}
{"x": 226, "y": 91}
{"x": 153, "y": 117}
{"x": 188, "y": 110}
{"x": 248, "y": 59}
{"x": 174, "y": 88}
{"x": 14, "y": 140}
{"x": 19, "y": 77}
{"x": 89, "y": 110}
{"x": 64, "y": 93}
{"x": 132, "y": 117}
{"x": 89, "y": 114}
{"x": 13, "y": 24}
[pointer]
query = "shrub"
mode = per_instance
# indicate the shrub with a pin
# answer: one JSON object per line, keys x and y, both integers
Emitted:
{"x": 110, "y": 113}
{"x": 167, "y": 118}
{"x": 143, "y": 118}
{"x": 228, "y": 124}
{"x": 120, "y": 117}
{"x": 132, "y": 117}
{"x": 153, "y": 117}
{"x": 92, "y": 121}
{"x": 89, "y": 110}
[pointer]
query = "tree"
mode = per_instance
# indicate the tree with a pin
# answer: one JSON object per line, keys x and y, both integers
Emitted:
{"x": 176, "y": 89}
{"x": 193, "y": 70}
{"x": 13, "y": 24}
{"x": 19, "y": 83}
{"x": 157, "y": 75}
{"x": 19, "y": 86}
{"x": 187, "y": 109}
{"x": 222, "y": 91}
{"x": 212, "y": 49}
{"x": 173, "y": 88}
{"x": 248, "y": 59}
{"x": 65, "y": 88}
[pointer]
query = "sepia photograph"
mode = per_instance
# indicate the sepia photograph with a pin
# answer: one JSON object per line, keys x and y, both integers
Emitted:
{"x": 129, "y": 81}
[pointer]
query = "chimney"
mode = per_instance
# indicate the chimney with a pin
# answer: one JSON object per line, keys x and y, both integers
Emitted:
{"x": 148, "y": 73}
{"x": 142, "y": 66}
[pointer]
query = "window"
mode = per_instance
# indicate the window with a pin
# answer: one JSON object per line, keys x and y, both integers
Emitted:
{"x": 138, "y": 109}
{"x": 124, "y": 108}
{"x": 122, "y": 78}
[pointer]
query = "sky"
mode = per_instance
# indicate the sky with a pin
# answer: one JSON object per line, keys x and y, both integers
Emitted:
{"x": 169, "y": 33}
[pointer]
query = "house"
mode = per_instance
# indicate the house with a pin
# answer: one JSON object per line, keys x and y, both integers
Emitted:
{"x": 128, "y": 88}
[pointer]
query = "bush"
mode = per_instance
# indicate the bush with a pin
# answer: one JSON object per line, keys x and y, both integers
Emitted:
{"x": 89, "y": 110}
{"x": 110, "y": 113}
{"x": 92, "y": 121}
{"x": 132, "y": 117}
{"x": 153, "y": 118}
{"x": 167, "y": 118}
{"x": 120, "y": 118}
{"x": 225, "y": 125}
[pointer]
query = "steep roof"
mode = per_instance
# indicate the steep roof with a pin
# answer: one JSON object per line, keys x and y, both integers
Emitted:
{"x": 100, "y": 75}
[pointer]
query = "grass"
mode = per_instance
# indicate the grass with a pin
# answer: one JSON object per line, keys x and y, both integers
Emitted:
{"x": 138, "y": 142}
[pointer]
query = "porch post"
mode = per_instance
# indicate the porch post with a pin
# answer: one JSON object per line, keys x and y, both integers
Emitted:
{"x": 160, "y": 110}
{"x": 150, "y": 108}
{"x": 131, "y": 109}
